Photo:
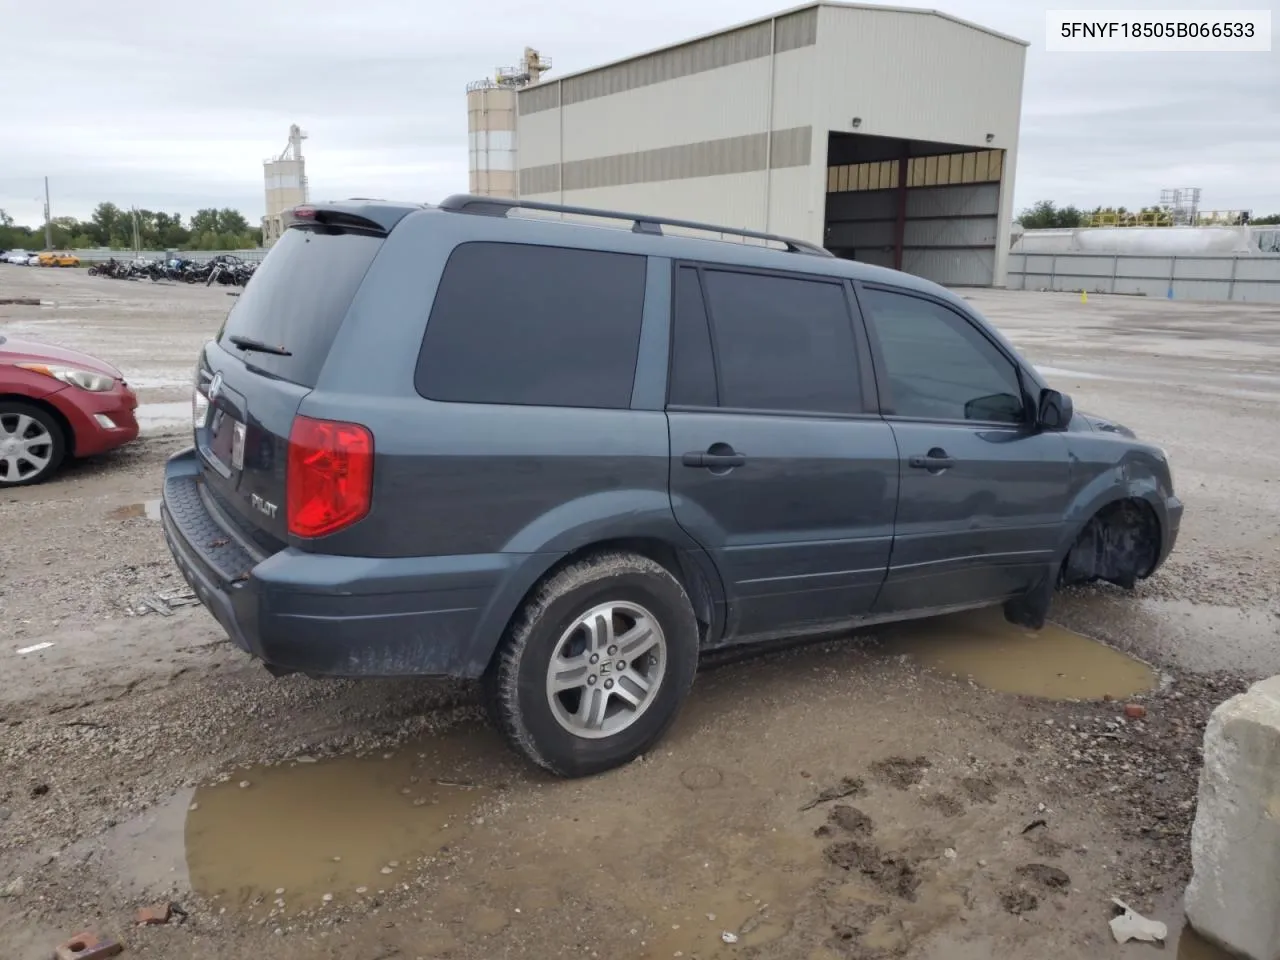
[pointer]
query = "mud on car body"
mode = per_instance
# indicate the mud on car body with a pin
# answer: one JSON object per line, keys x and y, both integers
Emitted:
{"x": 566, "y": 459}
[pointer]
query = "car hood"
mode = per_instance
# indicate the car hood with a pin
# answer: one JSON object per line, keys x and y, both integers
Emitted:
{"x": 13, "y": 350}
{"x": 1104, "y": 425}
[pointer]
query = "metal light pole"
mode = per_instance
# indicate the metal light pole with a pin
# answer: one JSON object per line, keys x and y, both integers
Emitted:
{"x": 48, "y": 222}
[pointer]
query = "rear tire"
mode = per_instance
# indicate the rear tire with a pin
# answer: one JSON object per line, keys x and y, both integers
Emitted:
{"x": 32, "y": 444}
{"x": 574, "y": 715}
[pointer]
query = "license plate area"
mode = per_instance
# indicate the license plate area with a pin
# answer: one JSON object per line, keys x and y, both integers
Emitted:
{"x": 226, "y": 445}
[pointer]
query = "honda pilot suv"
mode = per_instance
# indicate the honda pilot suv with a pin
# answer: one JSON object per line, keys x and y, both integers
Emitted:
{"x": 513, "y": 442}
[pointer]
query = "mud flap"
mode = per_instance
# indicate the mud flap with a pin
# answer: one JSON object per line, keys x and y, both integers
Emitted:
{"x": 1031, "y": 610}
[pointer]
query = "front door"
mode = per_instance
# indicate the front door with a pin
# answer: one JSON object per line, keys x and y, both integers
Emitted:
{"x": 983, "y": 493}
{"x": 780, "y": 468}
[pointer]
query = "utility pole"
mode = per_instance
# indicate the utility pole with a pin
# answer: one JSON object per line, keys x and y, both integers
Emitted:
{"x": 48, "y": 222}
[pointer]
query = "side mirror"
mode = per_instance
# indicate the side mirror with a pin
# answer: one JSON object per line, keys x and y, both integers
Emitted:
{"x": 1054, "y": 410}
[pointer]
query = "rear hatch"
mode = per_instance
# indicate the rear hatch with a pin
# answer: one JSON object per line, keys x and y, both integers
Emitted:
{"x": 251, "y": 380}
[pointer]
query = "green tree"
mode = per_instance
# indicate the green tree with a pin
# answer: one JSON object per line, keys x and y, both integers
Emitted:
{"x": 204, "y": 221}
{"x": 1269, "y": 220}
{"x": 1046, "y": 214}
{"x": 105, "y": 223}
{"x": 232, "y": 221}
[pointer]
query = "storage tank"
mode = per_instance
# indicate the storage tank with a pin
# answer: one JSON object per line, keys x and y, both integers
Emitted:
{"x": 285, "y": 179}
{"x": 491, "y": 139}
{"x": 491, "y": 125}
{"x": 1141, "y": 241}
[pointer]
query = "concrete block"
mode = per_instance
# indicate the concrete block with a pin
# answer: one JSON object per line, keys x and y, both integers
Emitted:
{"x": 1235, "y": 841}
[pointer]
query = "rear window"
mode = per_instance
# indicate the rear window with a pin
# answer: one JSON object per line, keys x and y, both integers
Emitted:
{"x": 533, "y": 325}
{"x": 297, "y": 299}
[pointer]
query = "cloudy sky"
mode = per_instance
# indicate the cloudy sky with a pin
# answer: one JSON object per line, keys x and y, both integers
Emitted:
{"x": 175, "y": 107}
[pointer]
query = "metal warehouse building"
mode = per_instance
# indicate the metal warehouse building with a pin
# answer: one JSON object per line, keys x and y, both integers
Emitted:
{"x": 886, "y": 134}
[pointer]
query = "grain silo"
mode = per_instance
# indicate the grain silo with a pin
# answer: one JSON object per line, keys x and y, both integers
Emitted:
{"x": 491, "y": 125}
{"x": 285, "y": 179}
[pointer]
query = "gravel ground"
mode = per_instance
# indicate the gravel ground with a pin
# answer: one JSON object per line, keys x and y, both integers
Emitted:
{"x": 111, "y": 735}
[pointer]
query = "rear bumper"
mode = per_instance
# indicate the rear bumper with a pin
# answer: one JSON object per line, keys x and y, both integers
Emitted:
{"x": 99, "y": 421}
{"x": 329, "y": 615}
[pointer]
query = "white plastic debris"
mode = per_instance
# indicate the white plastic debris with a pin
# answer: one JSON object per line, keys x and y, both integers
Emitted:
{"x": 35, "y": 647}
{"x": 728, "y": 937}
{"x": 1131, "y": 925}
{"x": 949, "y": 853}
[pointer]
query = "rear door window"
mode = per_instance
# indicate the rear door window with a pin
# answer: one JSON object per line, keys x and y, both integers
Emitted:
{"x": 534, "y": 325}
{"x": 782, "y": 343}
{"x": 297, "y": 300}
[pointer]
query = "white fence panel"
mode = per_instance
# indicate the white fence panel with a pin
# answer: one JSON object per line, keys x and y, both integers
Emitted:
{"x": 1243, "y": 278}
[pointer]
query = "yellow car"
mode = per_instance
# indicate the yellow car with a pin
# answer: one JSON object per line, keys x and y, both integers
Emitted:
{"x": 59, "y": 260}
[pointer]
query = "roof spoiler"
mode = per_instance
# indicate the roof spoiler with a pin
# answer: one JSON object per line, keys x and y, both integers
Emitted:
{"x": 372, "y": 216}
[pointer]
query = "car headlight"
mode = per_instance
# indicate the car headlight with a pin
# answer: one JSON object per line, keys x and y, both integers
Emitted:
{"x": 84, "y": 379}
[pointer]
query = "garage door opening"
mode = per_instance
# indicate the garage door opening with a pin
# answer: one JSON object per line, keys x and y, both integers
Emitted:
{"x": 927, "y": 208}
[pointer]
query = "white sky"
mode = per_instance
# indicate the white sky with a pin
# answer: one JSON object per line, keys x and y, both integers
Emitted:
{"x": 175, "y": 108}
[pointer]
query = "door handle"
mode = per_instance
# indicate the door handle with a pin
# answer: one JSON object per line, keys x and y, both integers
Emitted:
{"x": 936, "y": 460}
{"x": 716, "y": 460}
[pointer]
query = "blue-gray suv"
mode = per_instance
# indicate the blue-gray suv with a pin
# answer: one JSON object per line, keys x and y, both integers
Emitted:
{"x": 516, "y": 442}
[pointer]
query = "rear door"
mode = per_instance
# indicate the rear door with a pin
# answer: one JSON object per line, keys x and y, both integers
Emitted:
{"x": 983, "y": 492}
{"x": 266, "y": 358}
{"x": 781, "y": 467}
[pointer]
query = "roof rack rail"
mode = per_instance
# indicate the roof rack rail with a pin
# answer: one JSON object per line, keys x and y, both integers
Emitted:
{"x": 640, "y": 222}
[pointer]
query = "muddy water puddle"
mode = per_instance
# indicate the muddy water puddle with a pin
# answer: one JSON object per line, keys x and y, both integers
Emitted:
{"x": 1191, "y": 946}
{"x": 1053, "y": 662}
{"x": 346, "y": 828}
{"x": 149, "y": 510}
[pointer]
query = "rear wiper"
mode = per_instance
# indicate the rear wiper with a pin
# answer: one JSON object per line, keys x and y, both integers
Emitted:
{"x": 247, "y": 343}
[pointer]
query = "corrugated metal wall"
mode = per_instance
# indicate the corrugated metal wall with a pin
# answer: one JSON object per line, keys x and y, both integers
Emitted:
{"x": 685, "y": 131}
{"x": 718, "y": 129}
{"x": 918, "y": 76}
{"x": 924, "y": 77}
{"x": 1207, "y": 277}
{"x": 950, "y": 218}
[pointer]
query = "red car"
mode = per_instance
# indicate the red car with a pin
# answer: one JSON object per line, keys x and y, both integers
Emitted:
{"x": 56, "y": 403}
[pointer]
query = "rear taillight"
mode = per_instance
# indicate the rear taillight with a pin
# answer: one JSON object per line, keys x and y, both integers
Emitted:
{"x": 330, "y": 476}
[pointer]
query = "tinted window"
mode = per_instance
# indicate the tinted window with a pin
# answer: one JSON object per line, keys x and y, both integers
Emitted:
{"x": 544, "y": 326}
{"x": 693, "y": 372}
{"x": 297, "y": 299}
{"x": 939, "y": 366}
{"x": 782, "y": 343}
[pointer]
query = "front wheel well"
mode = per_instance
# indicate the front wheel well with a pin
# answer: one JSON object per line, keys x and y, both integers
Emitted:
{"x": 1119, "y": 544}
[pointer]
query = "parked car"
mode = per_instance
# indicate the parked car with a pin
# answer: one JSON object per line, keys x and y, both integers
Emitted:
{"x": 57, "y": 403}
{"x": 18, "y": 258}
{"x": 566, "y": 460}
{"x": 62, "y": 259}
{"x": 33, "y": 260}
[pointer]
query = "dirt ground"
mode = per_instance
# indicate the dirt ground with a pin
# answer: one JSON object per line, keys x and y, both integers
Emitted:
{"x": 953, "y": 790}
